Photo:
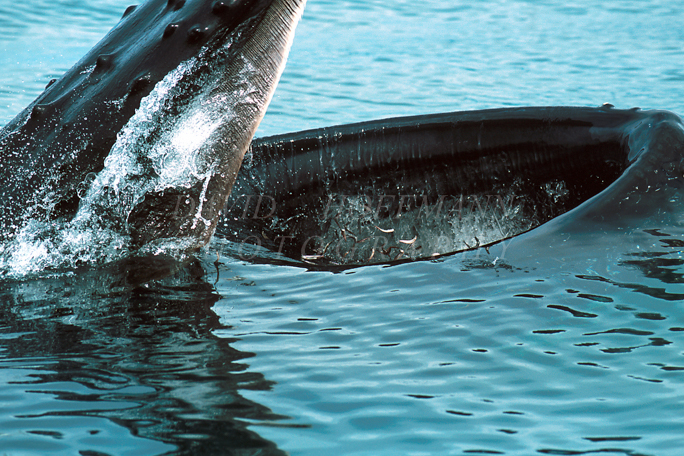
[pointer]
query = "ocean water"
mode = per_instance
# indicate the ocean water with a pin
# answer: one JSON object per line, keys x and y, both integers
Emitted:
{"x": 558, "y": 345}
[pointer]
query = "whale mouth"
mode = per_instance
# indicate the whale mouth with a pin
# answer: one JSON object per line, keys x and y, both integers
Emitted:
{"x": 136, "y": 150}
{"x": 420, "y": 187}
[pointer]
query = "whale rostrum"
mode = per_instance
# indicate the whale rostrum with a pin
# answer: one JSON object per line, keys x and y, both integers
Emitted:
{"x": 167, "y": 103}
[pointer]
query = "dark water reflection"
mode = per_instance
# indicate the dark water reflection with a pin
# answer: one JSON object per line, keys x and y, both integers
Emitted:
{"x": 77, "y": 349}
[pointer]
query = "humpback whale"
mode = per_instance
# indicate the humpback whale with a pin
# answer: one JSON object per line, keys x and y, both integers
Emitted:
{"x": 167, "y": 103}
{"x": 145, "y": 137}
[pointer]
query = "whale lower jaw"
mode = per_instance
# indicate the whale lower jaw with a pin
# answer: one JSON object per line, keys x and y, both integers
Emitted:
{"x": 419, "y": 187}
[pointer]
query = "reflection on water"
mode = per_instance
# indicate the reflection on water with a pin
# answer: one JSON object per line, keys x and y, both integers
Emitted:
{"x": 78, "y": 349}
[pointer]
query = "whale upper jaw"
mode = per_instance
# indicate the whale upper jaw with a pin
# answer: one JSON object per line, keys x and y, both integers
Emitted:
{"x": 226, "y": 58}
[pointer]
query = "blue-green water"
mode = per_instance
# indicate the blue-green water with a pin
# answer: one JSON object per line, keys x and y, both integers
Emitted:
{"x": 568, "y": 345}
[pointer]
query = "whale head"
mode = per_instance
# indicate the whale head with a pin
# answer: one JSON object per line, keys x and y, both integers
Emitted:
{"x": 159, "y": 113}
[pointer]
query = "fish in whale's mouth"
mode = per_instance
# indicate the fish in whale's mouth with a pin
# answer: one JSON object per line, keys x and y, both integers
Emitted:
{"x": 420, "y": 187}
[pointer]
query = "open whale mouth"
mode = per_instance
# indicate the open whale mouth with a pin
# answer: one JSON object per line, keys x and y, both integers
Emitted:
{"x": 419, "y": 187}
{"x": 137, "y": 148}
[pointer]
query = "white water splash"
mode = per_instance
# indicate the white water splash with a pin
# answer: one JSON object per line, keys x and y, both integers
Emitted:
{"x": 137, "y": 163}
{"x": 41, "y": 246}
{"x": 127, "y": 176}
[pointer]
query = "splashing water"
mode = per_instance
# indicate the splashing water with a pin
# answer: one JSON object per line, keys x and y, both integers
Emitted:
{"x": 151, "y": 154}
{"x": 156, "y": 150}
